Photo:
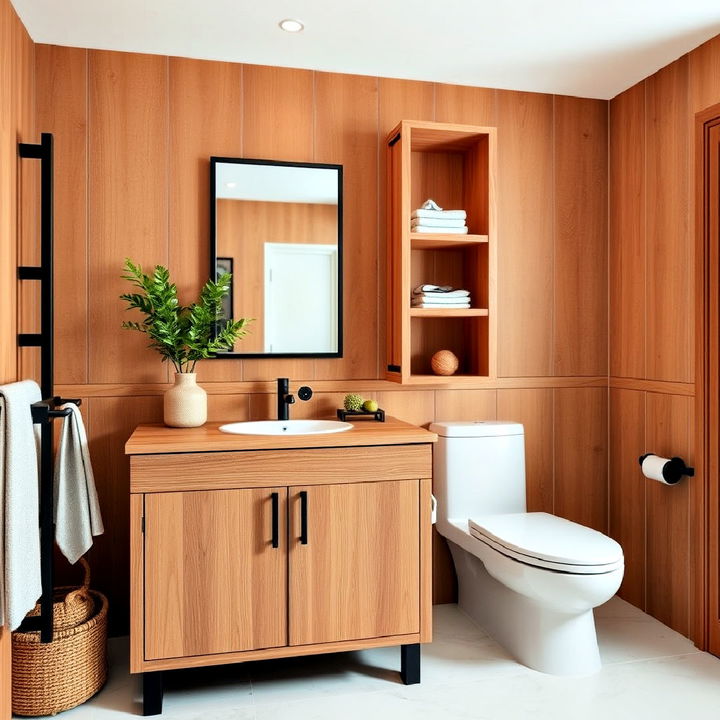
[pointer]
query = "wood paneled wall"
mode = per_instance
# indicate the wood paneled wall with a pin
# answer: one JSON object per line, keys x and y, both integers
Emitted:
{"x": 134, "y": 134}
{"x": 652, "y": 321}
{"x": 17, "y": 123}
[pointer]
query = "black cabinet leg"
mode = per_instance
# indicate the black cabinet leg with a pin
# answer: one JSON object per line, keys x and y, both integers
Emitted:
{"x": 152, "y": 689}
{"x": 410, "y": 664}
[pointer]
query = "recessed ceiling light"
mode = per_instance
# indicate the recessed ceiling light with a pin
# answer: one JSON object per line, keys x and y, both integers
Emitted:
{"x": 291, "y": 26}
{"x": 230, "y": 184}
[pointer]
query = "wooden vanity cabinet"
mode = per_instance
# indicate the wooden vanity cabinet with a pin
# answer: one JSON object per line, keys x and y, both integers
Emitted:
{"x": 243, "y": 554}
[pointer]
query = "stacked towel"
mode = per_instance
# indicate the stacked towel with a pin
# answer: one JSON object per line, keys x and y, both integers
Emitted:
{"x": 20, "y": 584}
{"x": 440, "y": 296}
{"x": 431, "y": 218}
{"x": 77, "y": 510}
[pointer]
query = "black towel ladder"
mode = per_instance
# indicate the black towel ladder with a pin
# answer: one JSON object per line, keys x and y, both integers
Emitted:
{"x": 45, "y": 411}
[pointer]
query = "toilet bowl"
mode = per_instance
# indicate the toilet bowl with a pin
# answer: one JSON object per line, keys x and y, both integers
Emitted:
{"x": 531, "y": 580}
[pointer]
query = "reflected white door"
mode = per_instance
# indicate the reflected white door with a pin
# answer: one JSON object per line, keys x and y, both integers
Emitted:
{"x": 301, "y": 283}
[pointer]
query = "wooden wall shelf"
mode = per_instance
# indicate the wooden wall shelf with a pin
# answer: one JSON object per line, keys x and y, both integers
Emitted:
{"x": 448, "y": 312}
{"x": 455, "y": 165}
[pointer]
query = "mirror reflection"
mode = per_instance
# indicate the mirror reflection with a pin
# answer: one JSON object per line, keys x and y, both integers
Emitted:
{"x": 277, "y": 227}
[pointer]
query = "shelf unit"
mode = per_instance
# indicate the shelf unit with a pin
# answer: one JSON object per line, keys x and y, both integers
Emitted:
{"x": 455, "y": 165}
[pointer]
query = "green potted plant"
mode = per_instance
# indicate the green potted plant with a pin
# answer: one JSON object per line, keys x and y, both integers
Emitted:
{"x": 182, "y": 334}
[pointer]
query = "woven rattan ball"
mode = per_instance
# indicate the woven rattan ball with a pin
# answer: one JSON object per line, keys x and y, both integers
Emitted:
{"x": 444, "y": 362}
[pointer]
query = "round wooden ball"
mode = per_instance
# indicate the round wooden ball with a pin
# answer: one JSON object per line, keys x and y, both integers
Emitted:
{"x": 444, "y": 362}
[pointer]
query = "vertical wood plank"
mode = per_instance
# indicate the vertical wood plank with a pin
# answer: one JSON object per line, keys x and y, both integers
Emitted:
{"x": 704, "y": 74}
{"x": 534, "y": 409}
{"x": 670, "y": 251}
{"x": 581, "y": 242}
{"x": 128, "y": 151}
{"x": 668, "y": 419}
{"x": 581, "y": 437}
{"x": 525, "y": 232}
{"x": 111, "y": 422}
{"x": 195, "y": 135}
{"x": 465, "y": 105}
{"x": 413, "y": 407}
{"x": 346, "y": 122}
{"x": 278, "y": 125}
{"x": 61, "y": 74}
{"x": 453, "y": 405}
{"x": 627, "y": 233}
{"x": 627, "y": 488}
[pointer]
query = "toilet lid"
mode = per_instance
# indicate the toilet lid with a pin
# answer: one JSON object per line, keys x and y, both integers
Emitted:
{"x": 547, "y": 538}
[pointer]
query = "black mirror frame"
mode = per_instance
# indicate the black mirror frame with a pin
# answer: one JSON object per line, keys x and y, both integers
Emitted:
{"x": 214, "y": 160}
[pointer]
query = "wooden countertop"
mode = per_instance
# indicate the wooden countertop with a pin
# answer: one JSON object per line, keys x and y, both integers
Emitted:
{"x": 155, "y": 439}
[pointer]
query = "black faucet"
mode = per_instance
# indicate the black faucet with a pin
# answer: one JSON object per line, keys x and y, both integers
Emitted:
{"x": 285, "y": 399}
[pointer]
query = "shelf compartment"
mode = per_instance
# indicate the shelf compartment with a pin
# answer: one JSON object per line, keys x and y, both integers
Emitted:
{"x": 441, "y": 241}
{"x": 448, "y": 312}
{"x": 464, "y": 335}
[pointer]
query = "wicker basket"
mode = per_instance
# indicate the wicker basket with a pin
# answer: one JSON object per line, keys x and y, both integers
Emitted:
{"x": 48, "y": 678}
{"x": 72, "y": 605}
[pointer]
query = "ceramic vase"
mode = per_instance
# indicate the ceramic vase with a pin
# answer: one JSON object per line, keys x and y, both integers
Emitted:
{"x": 185, "y": 403}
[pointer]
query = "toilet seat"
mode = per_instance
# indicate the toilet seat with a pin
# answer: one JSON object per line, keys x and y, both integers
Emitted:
{"x": 547, "y": 541}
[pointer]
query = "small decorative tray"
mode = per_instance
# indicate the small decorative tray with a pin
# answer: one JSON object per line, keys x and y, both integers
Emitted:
{"x": 378, "y": 415}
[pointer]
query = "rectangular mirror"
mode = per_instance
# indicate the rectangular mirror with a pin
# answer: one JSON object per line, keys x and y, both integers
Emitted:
{"x": 277, "y": 227}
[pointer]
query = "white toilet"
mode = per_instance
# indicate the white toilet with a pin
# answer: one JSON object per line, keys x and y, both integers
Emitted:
{"x": 531, "y": 580}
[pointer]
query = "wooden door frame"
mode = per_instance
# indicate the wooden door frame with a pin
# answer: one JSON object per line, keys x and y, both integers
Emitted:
{"x": 705, "y": 489}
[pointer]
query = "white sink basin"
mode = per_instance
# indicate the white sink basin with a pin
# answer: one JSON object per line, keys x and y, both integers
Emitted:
{"x": 286, "y": 427}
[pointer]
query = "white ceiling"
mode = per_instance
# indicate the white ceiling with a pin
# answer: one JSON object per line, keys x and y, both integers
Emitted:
{"x": 590, "y": 48}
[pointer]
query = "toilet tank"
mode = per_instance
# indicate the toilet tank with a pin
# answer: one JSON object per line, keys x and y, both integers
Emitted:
{"x": 478, "y": 469}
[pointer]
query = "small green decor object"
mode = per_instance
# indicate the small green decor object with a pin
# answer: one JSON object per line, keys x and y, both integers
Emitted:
{"x": 181, "y": 334}
{"x": 353, "y": 402}
{"x": 370, "y": 406}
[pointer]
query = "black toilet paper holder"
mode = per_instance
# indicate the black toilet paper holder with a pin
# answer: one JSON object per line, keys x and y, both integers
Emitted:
{"x": 673, "y": 470}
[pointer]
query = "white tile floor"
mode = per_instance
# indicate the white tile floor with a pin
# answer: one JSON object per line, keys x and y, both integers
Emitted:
{"x": 649, "y": 672}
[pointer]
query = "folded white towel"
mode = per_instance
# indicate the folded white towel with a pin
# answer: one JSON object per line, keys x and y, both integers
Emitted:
{"x": 430, "y": 204}
{"x": 77, "y": 510}
{"x": 440, "y": 290}
{"x": 441, "y": 306}
{"x": 442, "y": 300}
{"x": 449, "y": 230}
{"x": 20, "y": 582}
{"x": 437, "y": 222}
{"x": 439, "y": 214}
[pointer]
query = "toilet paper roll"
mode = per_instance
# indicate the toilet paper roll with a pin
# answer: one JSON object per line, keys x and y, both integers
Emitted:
{"x": 667, "y": 471}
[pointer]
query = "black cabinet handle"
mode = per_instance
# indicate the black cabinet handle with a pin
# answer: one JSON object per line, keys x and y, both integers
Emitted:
{"x": 275, "y": 519}
{"x": 303, "y": 517}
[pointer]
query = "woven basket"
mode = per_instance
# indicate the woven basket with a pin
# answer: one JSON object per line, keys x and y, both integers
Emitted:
{"x": 48, "y": 678}
{"x": 72, "y": 605}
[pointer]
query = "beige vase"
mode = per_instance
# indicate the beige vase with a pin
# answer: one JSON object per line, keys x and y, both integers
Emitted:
{"x": 185, "y": 403}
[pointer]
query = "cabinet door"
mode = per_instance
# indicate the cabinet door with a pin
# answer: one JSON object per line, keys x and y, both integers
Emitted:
{"x": 214, "y": 582}
{"x": 354, "y": 572}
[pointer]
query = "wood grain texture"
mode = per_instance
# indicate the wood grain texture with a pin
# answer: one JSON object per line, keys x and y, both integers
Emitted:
{"x": 465, "y": 405}
{"x": 525, "y": 225}
{"x": 467, "y": 105}
{"x": 345, "y": 583}
{"x": 137, "y": 582}
{"x": 213, "y": 581}
{"x": 627, "y": 233}
{"x": 111, "y": 421}
{"x": 128, "y": 204}
{"x": 627, "y": 488}
{"x": 194, "y": 135}
{"x": 278, "y": 135}
{"x": 62, "y": 84}
{"x": 581, "y": 242}
{"x": 179, "y": 471}
{"x": 668, "y": 433}
{"x": 270, "y": 653}
{"x": 425, "y": 584}
{"x": 346, "y": 120}
{"x": 670, "y": 253}
{"x": 704, "y": 75}
{"x": 581, "y": 440}
{"x": 150, "y": 439}
{"x": 534, "y": 409}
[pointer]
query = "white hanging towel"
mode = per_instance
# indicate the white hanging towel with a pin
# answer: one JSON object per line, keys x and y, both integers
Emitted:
{"x": 20, "y": 580}
{"x": 77, "y": 510}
